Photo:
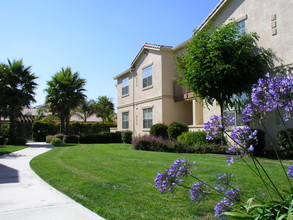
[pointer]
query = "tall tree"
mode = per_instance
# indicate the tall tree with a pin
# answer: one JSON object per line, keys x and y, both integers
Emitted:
{"x": 86, "y": 109}
{"x": 65, "y": 92}
{"x": 220, "y": 62}
{"x": 105, "y": 108}
{"x": 17, "y": 84}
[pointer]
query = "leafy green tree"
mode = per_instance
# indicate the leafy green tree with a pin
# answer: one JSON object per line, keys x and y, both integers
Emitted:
{"x": 105, "y": 108}
{"x": 86, "y": 109}
{"x": 65, "y": 92}
{"x": 220, "y": 64}
{"x": 17, "y": 84}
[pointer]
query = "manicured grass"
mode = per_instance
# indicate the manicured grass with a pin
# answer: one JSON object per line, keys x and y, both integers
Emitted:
{"x": 118, "y": 183}
{"x": 6, "y": 149}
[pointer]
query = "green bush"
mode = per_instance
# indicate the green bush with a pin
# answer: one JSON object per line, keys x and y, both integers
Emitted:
{"x": 126, "y": 137}
{"x": 2, "y": 140}
{"x": 20, "y": 141}
{"x": 96, "y": 138}
{"x": 43, "y": 129}
{"x": 73, "y": 139}
{"x": 57, "y": 141}
{"x": 116, "y": 137}
{"x": 284, "y": 143}
{"x": 193, "y": 138}
{"x": 176, "y": 128}
{"x": 4, "y": 130}
{"x": 79, "y": 128}
{"x": 159, "y": 130}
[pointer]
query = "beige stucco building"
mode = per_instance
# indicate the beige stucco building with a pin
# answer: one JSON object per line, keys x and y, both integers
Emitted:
{"x": 147, "y": 93}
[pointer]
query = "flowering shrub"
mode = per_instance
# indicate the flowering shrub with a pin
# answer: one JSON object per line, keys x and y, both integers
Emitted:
{"x": 270, "y": 94}
{"x": 151, "y": 143}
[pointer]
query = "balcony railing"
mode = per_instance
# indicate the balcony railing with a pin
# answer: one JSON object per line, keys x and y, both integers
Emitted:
{"x": 181, "y": 94}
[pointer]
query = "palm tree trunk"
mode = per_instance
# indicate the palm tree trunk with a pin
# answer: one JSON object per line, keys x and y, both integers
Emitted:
{"x": 12, "y": 127}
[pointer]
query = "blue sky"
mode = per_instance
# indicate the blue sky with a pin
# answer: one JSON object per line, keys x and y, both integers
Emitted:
{"x": 98, "y": 39}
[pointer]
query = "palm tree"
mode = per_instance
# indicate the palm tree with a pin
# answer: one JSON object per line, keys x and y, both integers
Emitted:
{"x": 17, "y": 91}
{"x": 86, "y": 109}
{"x": 65, "y": 92}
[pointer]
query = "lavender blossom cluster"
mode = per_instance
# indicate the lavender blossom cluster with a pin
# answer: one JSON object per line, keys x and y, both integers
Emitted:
{"x": 173, "y": 176}
{"x": 214, "y": 127}
{"x": 268, "y": 95}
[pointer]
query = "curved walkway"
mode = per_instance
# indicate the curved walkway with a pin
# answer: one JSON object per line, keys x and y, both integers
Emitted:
{"x": 25, "y": 196}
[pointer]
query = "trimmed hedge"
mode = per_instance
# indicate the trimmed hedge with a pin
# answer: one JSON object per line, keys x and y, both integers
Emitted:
{"x": 2, "y": 140}
{"x": 159, "y": 130}
{"x": 96, "y": 138}
{"x": 176, "y": 128}
{"x": 193, "y": 138}
{"x": 72, "y": 139}
{"x": 126, "y": 137}
{"x": 43, "y": 129}
{"x": 284, "y": 143}
{"x": 20, "y": 141}
{"x": 82, "y": 128}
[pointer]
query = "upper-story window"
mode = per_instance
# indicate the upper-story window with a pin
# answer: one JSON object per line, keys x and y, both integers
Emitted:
{"x": 242, "y": 27}
{"x": 125, "y": 86}
{"x": 147, "y": 76}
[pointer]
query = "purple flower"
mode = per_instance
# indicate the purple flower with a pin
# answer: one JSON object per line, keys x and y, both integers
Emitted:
{"x": 225, "y": 205}
{"x": 290, "y": 171}
{"x": 243, "y": 138}
{"x": 173, "y": 176}
{"x": 198, "y": 191}
{"x": 223, "y": 182}
{"x": 214, "y": 127}
{"x": 268, "y": 95}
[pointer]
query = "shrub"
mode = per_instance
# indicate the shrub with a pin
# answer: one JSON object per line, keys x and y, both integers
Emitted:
{"x": 73, "y": 139}
{"x": 57, "y": 141}
{"x": 126, "y": 137}
{"x": 2, "y": 140}
{"x": 49, "y": 138}
{"x": 43, "y": 129}
{"x": 60, "y": 136}
{"x": 95, "y": 138}
{"x": 193, "y": 138}
{"x": 78, "y": 128}
{"x": 116, "y": 137}
{"x": 159, "y": 130}
{"x": 284, "y": 143}
{"x": 20, "y": 141}
{"x": 176, "y": 128}
{"x": 4, "y": 130}
{"x": 151, "y": 143}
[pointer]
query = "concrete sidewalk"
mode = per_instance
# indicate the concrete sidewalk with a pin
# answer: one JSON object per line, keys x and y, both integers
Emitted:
{"x": 25, "y": 196}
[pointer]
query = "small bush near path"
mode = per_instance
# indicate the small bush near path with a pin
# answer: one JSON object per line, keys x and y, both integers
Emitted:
{"x": 118, "y": 183}
{"x": 6, "y": 149}
{"x": 159, "y": 130}
{"x": 193, "y": 138}
{"x": 176, "y": 128}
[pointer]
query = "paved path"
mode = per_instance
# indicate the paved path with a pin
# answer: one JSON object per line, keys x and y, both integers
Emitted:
{"x": 25, "y": 196}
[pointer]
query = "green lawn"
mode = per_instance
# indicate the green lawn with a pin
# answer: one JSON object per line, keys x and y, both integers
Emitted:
{"x": 6, "y": 149}
{"x": 118, "y": 183}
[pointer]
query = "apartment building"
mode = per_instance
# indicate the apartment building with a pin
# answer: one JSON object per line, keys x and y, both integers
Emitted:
{"x": 147, "y": 93}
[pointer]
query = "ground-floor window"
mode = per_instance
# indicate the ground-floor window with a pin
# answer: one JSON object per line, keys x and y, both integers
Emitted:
{"x": 147, "y": 118}
{"x": 125, "y": 120}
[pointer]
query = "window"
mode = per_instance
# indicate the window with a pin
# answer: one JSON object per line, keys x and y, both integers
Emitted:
{"x": 147, "y": 76}
{"x": 147, "y": 118}
{"x": 125, "y": 120}
{"x": 236, "y": 111}
{"x": 125, "y": 87}
{"x": 241, "y": 26}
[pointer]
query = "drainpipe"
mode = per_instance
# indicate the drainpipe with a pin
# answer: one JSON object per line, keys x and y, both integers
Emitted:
{"x": 133, "y": 106}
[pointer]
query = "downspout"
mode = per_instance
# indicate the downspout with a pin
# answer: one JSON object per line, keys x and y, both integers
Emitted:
{"x": 133, "y": 106}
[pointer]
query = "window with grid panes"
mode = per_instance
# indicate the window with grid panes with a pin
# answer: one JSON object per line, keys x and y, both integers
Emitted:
{"x": 147, "y": 76}
{"x": 147, "y": 118}
{"x": 125, "y": 120}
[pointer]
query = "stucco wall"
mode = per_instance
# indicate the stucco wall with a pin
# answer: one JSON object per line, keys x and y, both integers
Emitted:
{"x": 260, "y": 19}
{"x": 179, "y": 111}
